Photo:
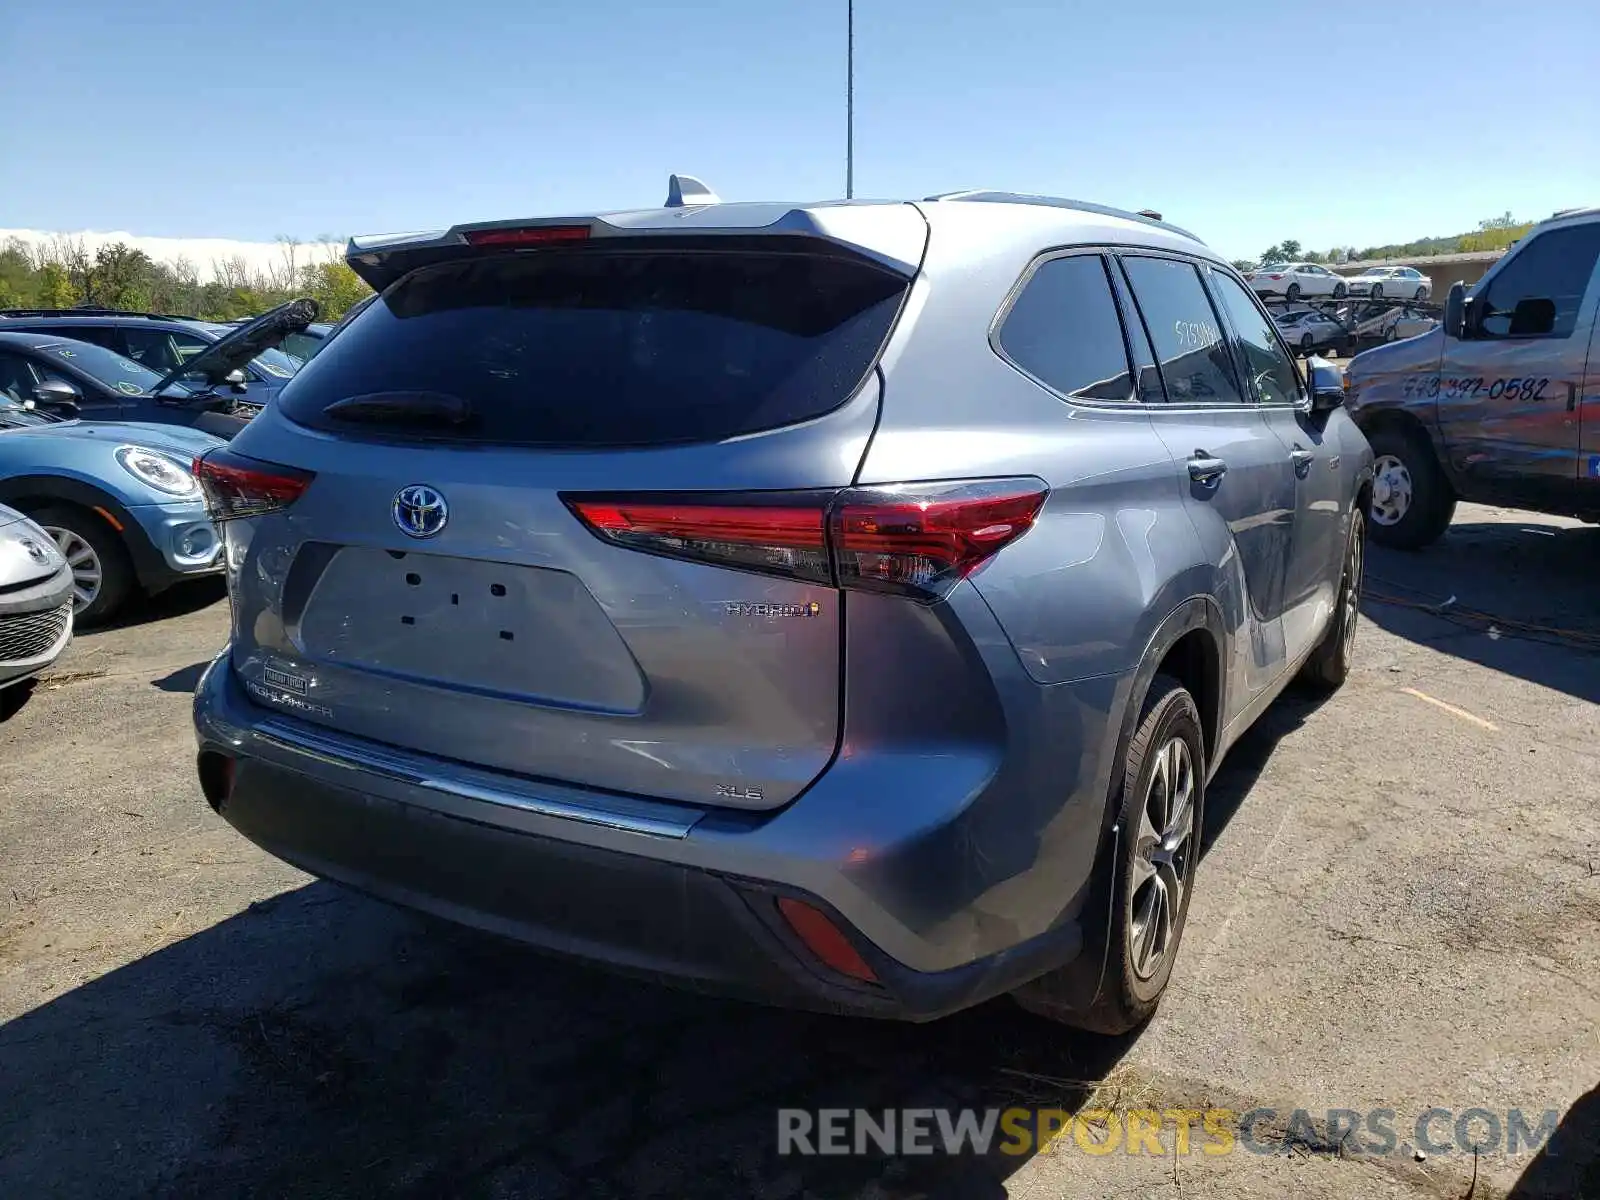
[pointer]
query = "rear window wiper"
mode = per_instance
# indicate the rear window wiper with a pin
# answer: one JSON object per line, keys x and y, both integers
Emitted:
{"x": 402, "y": 408}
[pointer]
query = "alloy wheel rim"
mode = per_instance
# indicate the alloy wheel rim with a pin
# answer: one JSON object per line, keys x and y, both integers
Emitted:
{"x": 1352, "y": 588}
{"x": 1161, "y": 858}
{"x": 87, "y": 573}
{"x": 1391, "y": 490}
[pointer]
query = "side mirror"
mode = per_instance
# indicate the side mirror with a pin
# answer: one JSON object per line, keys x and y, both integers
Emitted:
{"x": 1455, "y": 311}
{"x": 1533, "y": 317}
{"x": 58, "y": 396}
{"x": 1327, "y": 385}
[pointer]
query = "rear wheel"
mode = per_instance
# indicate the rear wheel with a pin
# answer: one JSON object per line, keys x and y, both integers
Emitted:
{"x": 1306, "y": 342}
{"x": 102, "y": 575}
{"x": 1293, "y": 292}
{"x": 1162, "y": 789}
{"x": 1329, "y": 664}
{"x": 1412, "y": 501}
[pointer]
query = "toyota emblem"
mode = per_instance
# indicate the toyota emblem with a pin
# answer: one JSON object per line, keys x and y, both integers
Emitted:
{"x": 420, "y": 510}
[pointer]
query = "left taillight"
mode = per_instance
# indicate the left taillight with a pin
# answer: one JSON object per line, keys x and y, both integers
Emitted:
{"x": 236, "y": 486}
{"x": 917, "y": 540}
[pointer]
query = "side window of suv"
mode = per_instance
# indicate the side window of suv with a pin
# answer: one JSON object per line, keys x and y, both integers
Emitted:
{"x": 1063, "y": 329}
{"x": 1271, "y": 370}
{"x": 1555, "y": 266}
{"x": 1185, "y": 330}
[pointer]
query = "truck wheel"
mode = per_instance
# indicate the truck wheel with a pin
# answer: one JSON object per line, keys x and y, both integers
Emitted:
{"x": 102, "y": 575}
{"x": 1162, "y": 804}
{"x": 1412, "y": 501}
{"x": 1329, "y": 664}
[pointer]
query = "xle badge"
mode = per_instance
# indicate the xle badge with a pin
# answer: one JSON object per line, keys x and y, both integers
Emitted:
{"x": 741, "y": 608}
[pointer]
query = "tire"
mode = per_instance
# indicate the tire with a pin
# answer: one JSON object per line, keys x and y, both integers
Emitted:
{"x": 1420, "y": 516}
{"x": 76, "y": 530}
{"x": 1377, "y": 291}
{"x": 1422, "y": 294}
{"x": 1340, "y": 291}
{"x": 1137, "y": 969}
{"x": 1307, "y": 341}
{"x": 1292, "y": 292}
{"x": 1329, "y": 664}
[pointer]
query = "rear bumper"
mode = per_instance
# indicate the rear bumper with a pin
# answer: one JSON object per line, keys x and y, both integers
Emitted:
{"x": 685, "y": 895}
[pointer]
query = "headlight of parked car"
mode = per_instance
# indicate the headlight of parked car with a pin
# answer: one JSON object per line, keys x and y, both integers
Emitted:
{"x": 159, "y": 471}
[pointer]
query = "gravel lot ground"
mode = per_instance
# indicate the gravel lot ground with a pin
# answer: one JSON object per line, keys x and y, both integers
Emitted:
{"x": 1399, "y": 908}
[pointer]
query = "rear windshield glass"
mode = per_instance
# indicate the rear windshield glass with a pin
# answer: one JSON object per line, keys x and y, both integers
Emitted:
{"x": 600, "y": 347}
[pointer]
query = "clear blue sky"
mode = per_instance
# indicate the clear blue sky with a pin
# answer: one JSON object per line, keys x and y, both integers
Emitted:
{"x": 1245, "y": 120}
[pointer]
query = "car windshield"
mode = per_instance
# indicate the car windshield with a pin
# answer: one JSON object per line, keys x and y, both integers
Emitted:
{"x": 110, "y": 368}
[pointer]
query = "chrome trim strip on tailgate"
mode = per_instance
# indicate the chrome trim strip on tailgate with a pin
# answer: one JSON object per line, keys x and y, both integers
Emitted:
{"x": 467, "y": 783}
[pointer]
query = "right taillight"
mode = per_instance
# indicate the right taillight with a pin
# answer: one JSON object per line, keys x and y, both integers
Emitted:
{"x": 922, "y": 539}
{"x": 917, "y": 540}
{"x": 236, "y": 486}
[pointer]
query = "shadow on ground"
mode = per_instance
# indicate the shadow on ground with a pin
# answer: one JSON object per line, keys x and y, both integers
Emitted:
{"x": 1538, "y": 582}
{"x": 1569, "y": 1164}
{"x": 191, "y": 595}
{"x": 323, "y": 1044}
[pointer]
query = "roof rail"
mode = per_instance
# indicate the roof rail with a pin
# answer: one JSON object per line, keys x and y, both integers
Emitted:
{"x": 1145, "y": 216}
{"x": 95, "y": 310}
{"x": 684, "y": 190}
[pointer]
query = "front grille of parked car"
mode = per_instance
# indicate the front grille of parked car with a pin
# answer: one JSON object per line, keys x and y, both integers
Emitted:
{"x": 32, "y": 634}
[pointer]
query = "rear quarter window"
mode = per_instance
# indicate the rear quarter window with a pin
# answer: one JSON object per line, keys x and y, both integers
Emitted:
{"x": 1063, "y": 329}
{"x": 601, "y": 347}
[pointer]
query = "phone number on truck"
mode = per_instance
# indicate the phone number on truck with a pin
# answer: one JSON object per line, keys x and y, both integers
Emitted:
{"x": 1518, "y": 387}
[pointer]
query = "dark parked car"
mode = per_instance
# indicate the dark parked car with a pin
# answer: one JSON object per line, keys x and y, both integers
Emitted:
{"x": 844, "y": 604}
{"x": 84, "y": 379}
{"x": 160, "y": 341}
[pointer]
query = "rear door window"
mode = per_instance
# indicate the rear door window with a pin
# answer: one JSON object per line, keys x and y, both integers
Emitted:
{"x": 600, "y": 347}
{"x": 1185, "y": 330}
{"x": 1063, "y": 330}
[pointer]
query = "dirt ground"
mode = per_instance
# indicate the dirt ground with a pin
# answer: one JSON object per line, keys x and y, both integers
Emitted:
{"x": 1399, "y": 908}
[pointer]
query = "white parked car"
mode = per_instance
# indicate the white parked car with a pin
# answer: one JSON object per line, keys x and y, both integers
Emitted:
{"x": 1294, "y": 280}
{"x": 1305, "y": 328}
{"x": 1396, "y": 283}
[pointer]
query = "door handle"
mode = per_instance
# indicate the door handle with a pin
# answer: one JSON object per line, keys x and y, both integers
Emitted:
{"x": 1302, "y": 459}
{"x": 1206, "y": 470}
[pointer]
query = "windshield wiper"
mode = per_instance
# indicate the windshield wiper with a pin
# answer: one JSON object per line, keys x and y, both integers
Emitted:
{"x": 402, "y": 408}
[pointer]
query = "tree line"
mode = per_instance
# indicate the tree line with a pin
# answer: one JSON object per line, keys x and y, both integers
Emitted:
{"x": 65, "y": 273}
{"x": 1494, "y": 233}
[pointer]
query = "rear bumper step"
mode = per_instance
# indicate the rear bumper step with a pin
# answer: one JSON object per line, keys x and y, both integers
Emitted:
{"x": 485, "y": 858}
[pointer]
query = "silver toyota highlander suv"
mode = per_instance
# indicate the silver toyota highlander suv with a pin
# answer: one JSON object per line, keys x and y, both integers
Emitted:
{"x": 841, "y": 604}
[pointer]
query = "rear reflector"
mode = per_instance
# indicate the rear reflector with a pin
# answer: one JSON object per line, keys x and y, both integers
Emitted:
{"x": 917, "y": 540}
{"x": 530, "y": 235}
{"x": 822, "y": 938}
{"x": 236, "y": 486}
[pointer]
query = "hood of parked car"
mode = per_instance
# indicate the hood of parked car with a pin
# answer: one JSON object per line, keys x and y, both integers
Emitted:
{"x": 1414, "y": 354}
{"x": 27, "y": 553}
{"x": 232, "y": 351}
{"x": 176, "y": 440}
